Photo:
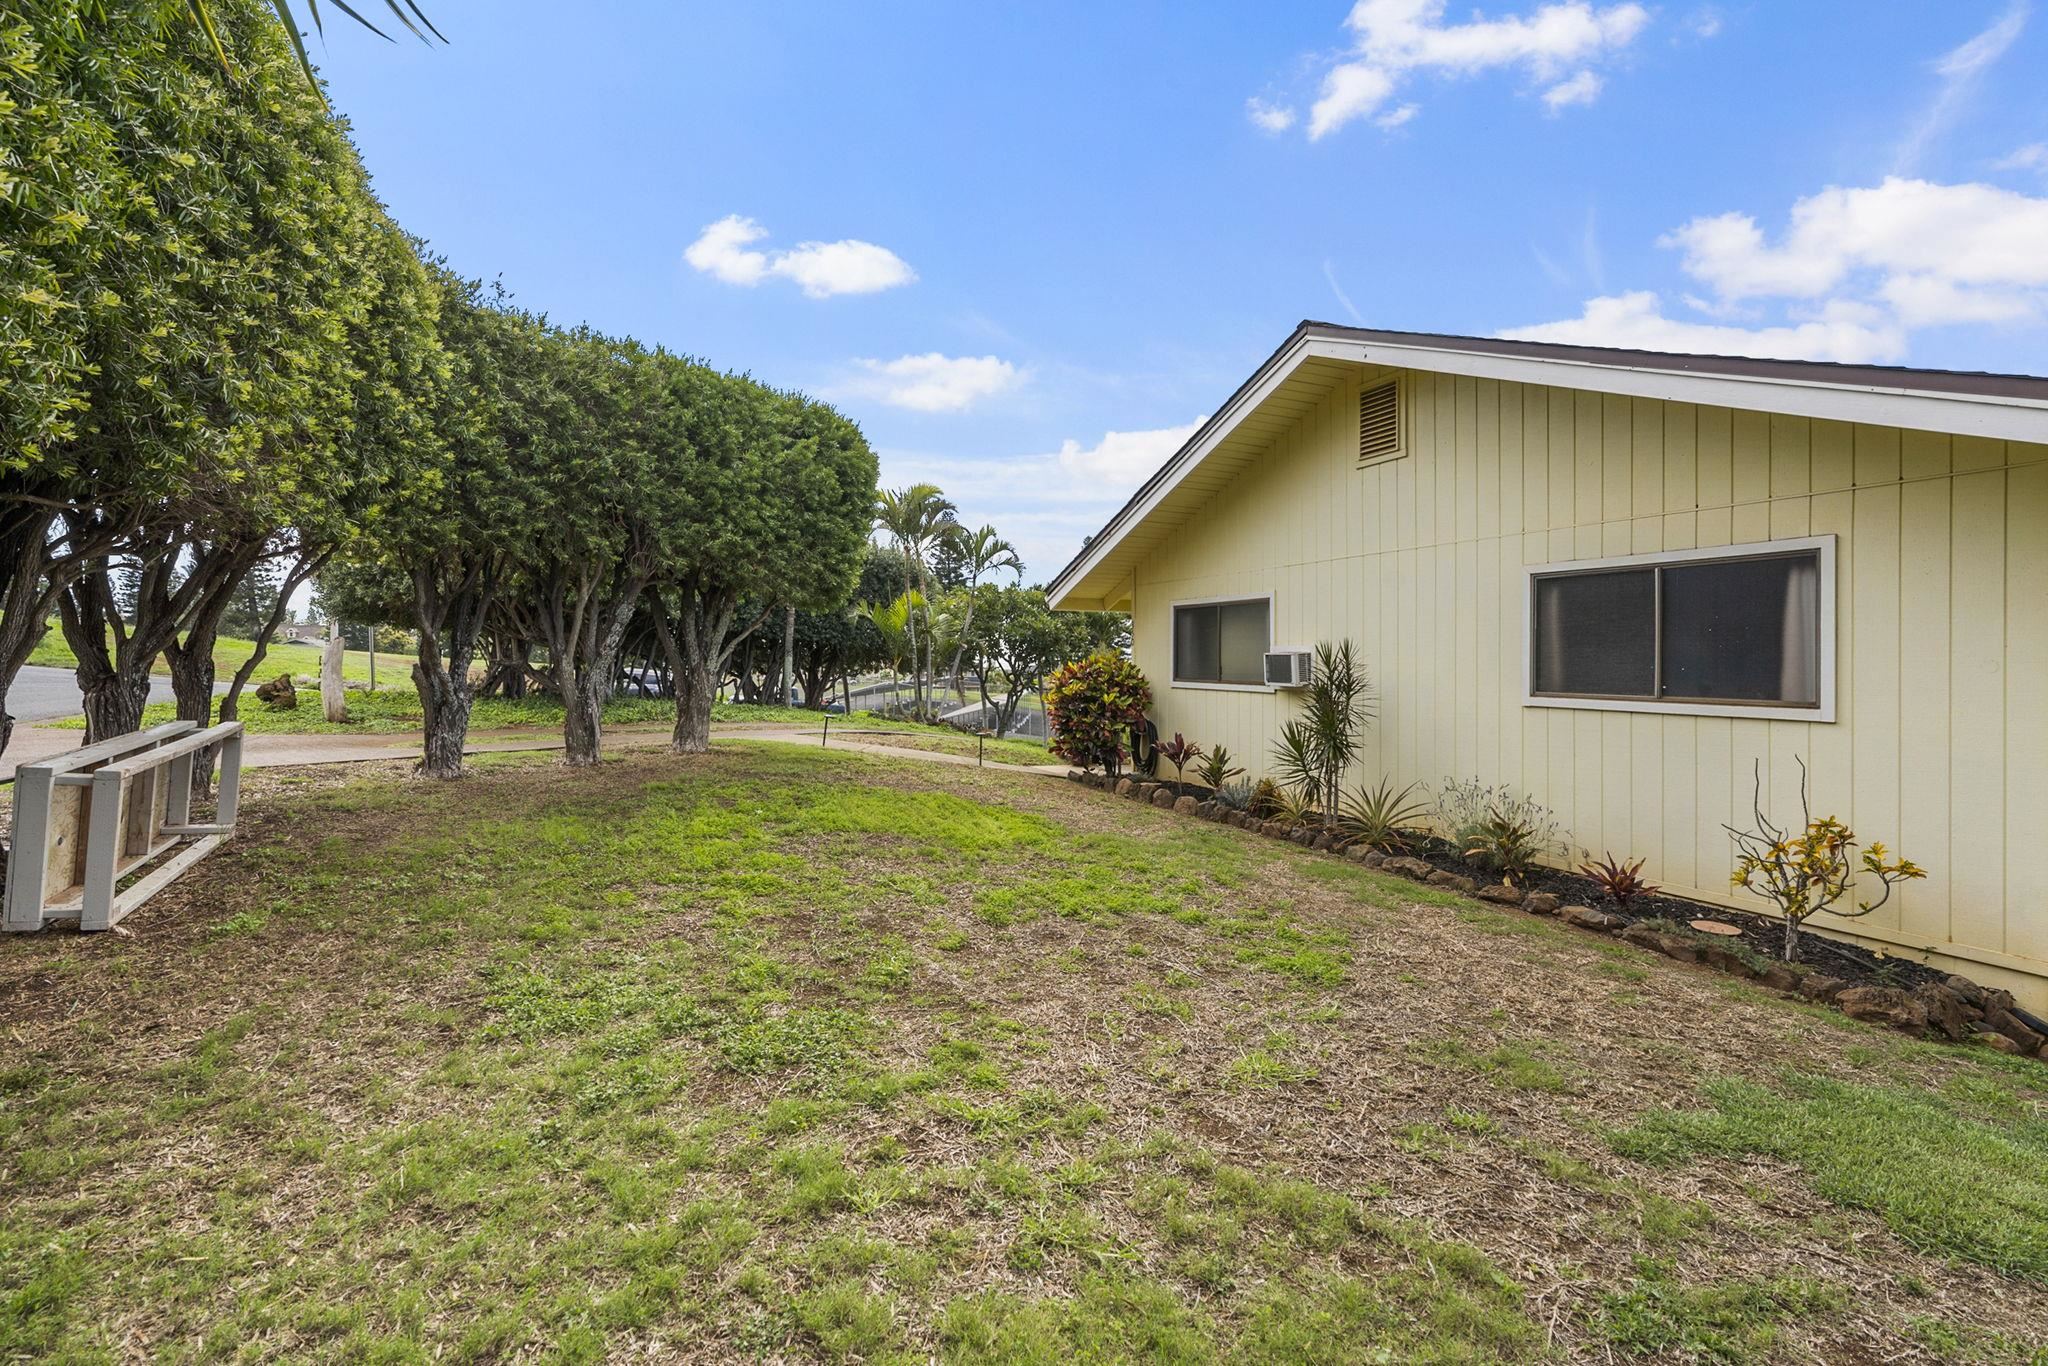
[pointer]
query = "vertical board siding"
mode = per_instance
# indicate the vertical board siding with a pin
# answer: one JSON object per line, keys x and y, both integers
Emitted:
{"x": 1941, "y": 615}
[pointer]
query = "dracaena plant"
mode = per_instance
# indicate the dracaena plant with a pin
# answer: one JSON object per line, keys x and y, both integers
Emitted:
{"x": 1216, "y": 770}
{"x": 1180, "y": 752}
{"x": 1314, "y": 749}
{"x": 1804, "y": 872}
{"x": 1621, "y": 883}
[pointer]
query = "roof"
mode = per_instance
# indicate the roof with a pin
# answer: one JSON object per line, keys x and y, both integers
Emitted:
{"x": 1319, "y": 355}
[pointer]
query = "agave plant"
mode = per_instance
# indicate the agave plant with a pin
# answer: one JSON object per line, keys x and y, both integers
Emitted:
{"x": 1505, "y": 842}
{"x": 1376, "y": 816}
{"x": 1180, "y": 752}
{"x": 1235, "y": 795}
{"x": 1296, "y": 807}
{"x": 1216, "y": 770}
{"x": 1265, "y": 797}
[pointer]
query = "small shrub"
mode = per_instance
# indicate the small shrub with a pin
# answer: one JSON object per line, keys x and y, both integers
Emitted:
{"x": 1315, "y": 748}
{"x": 1295, "y": 806}
{"x": 1376, "y": 816}
{"x": 1265, "y": 799}
{"x": 1091, "y": 705}
{"x": 1236, "y": 795}
{"x": 1621, "y": 883}
{"x": 1804, "y": 874}
{"x": 1180, "y": 752}
{"x": 1502, "y": 830}
{"x": 1216, "y": 770}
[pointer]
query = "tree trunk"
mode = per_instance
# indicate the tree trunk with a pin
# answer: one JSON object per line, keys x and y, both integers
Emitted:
{"x": 449, "y": 624}
{"x": 788, "y": 657}
{"x": 113, "y": 705}
{"x": 445, "y": 704}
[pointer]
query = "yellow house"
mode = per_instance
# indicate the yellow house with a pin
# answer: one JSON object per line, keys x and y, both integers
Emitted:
{"x": 1627, "y": 583}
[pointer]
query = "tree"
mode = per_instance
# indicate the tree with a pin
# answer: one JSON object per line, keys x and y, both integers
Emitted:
{"x": 917, "y": 519}
{"x": 1091, "y": 706}
{"x": 836, "y": 642}
{"x": 188, "y": 252}
{"x": 773, "y": 495}
{"x": 980, "y": 553}
{"x": 1018, "y": 639}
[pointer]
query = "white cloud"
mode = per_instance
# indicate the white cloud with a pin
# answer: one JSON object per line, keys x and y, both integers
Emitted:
{"x": 1391, "y": 39}
{"x": 935, "y": 383}
{"x": 1124, "y": 460}
{"x": 1350, "y": 91}
{"x": 1960, "y": 69}
{"x": 1583, "y": 88}
{"x": 1045, "y": 503}
{"x": 725, "y": 251}
{"x": 1854, "y": 273}
{"x": 1637, "y": 320}
{"x": 1270, "y": 118}
{"x": 2032, "y": 157}
{"x": 721, "y": 251}
{"x": 1704, "y": 23}
{"x": 1394, "y": 118}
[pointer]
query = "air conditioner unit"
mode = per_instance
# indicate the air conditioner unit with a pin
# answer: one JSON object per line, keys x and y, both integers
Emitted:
{"x": 1289, "y": 668}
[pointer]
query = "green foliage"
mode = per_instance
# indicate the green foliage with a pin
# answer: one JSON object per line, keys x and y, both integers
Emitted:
{"x": 1658, "y": 1313}
{"x": 1314, "y": 749}
{"x": 1376, "y": 816}
{"x": 1621, "y": 883}
{"x": 1216, "y": 770}
{"x": 1180, "y": 753}
{"x": 1091, "y": 704}
{"x": 1804, "y": 873}
{"x": 1503, "y": 831}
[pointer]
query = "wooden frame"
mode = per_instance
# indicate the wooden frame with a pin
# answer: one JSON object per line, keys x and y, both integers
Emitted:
{"x": 86, "y": 819}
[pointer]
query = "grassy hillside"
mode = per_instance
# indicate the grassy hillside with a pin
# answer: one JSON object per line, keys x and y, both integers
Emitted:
{"x": 230, "y": 652}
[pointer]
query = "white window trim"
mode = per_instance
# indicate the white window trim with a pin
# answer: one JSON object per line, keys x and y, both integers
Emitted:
{"x": 1825, "y": 712}
{"x": 1173, "y": 663}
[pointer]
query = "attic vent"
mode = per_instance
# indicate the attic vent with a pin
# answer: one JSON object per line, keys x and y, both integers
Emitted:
{"x": 1379, "y": 422}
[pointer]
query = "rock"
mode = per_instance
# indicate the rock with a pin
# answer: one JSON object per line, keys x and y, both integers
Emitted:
{"x": 1818, "y": 986}
{"x": 1356, "y": 852}
{"x": 1971, "y": 993}
{"x": 279, "y": 694}
{"x": 1993, "y": 1000}
{"x": 1163, "y": 798}
{"x": 1075, "y": 775}
{"x": 1185, "y": 805}
{"x": 1375, "y": 858}
{"x": 1883, "y": 1005}
{"x": 1277, "y": 829}
{"x": 1500, "y": 894}
{"x": 1453, "y": 882}
{"x": 1724, "y": 959}
{"x": 1586, "y": 918}
{"x": 1323, "y": 842}
{"x": 1643, "y": 937}
{"x": 1303, "y": 835}
{"x": 1782, "y": 977}
{"x": 1409, "y": 867}
{"x": 1125, "y": 787}
{"x": 1213, "y": 810}
{"x": 1540, "y": 903}
{"x": 2014, "y": 1028}
{"x": 1996, "y": 1042}
{"x": 1946, "y": 1011}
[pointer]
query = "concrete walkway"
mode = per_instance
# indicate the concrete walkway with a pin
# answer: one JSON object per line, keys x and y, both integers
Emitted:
{"x": 34, "y": 743}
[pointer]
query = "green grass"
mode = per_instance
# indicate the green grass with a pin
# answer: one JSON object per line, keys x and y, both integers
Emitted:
{"x": 780, "y": 1053}
{"x": 231, "y": 652}
{"x": 1964, "y": 1174}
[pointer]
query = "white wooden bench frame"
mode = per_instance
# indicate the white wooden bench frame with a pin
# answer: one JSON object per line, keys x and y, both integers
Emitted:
{"x": 86, "y": 819}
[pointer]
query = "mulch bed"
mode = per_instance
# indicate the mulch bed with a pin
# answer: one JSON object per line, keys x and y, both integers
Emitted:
{"x": 1764, "y": 935}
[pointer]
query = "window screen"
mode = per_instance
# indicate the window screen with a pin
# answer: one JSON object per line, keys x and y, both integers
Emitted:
{"x": 1743, "y": 629}
{"x": 1222, "y": 642}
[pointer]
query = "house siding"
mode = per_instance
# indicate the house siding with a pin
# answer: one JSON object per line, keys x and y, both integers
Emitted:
{"x": 1941, "y": 743}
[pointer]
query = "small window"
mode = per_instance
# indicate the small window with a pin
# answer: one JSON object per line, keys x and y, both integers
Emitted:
{"x": 1731, "y": 629}
{"x": 1379, "y": 423}
{"x": 1222, "y": 642}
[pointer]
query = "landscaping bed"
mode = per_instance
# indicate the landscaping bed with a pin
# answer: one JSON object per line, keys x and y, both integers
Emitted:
{"x": 1916, "y": 998}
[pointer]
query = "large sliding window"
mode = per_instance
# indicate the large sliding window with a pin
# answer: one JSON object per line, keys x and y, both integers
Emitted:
{"x": 1743, "y": 629}
{"x": 1222, "y": 643}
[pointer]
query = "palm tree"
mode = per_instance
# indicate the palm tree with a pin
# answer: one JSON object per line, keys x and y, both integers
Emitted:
{"x": 981, "y": 552}
{"x": 918, "y": 519}
{"x": 892, "y": 623}
{"x": 407, "y": 13}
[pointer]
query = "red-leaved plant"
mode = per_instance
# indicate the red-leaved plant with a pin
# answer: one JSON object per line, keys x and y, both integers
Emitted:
{"x": 1090, "y": 707}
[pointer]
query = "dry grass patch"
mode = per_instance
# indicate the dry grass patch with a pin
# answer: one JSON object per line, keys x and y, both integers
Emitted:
{"x": 781, "y": 1053}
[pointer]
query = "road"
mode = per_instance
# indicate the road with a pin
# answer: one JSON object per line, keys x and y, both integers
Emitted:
{"x": 43, "y": 693}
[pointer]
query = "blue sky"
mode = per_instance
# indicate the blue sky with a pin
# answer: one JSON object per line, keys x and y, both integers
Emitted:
{"x": 1028, "y": 247}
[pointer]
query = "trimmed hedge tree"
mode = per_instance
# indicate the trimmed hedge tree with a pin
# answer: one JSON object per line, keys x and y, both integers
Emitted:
{"x": 1091, "y": 705}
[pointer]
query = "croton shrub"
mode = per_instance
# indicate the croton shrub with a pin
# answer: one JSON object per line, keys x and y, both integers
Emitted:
{"x": 1091, "y": 705}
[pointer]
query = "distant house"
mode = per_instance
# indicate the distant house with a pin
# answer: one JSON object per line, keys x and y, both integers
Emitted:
{"x": 1622, "y": 581}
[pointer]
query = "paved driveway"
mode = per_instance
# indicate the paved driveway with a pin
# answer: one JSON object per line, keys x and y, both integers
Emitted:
{"x": 42, "y": 693}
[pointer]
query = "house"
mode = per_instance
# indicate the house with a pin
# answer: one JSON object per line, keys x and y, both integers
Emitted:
{"x": 1630, "y": 584}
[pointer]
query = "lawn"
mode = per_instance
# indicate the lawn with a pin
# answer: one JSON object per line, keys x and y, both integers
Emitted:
{"x": 397, "y": 711}
{"x": 792, "y": 1054}
{"x": 231, "y": 652}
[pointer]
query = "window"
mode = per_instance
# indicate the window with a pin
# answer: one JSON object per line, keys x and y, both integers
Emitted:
{"x": 1743, "y": 630}
{"x": 1222, "y": 642}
